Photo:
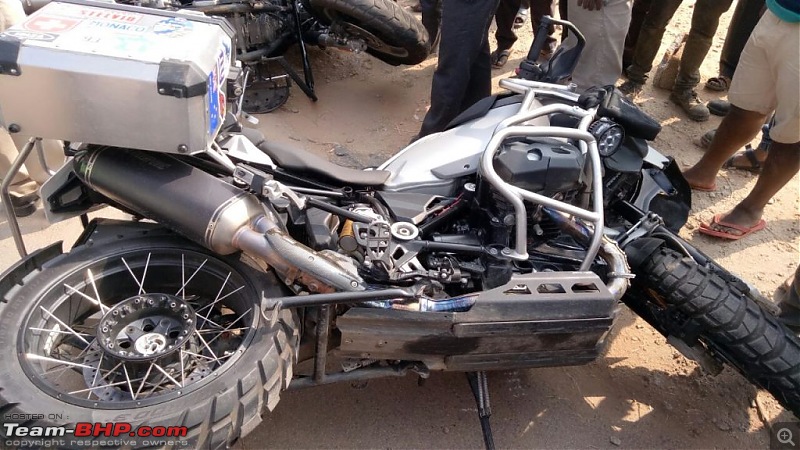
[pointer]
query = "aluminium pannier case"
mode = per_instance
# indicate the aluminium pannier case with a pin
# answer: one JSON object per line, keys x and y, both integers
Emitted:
{"x": 117, "y": 75}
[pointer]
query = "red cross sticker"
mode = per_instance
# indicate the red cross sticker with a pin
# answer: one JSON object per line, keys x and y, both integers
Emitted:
{"x": 49, "y": 24}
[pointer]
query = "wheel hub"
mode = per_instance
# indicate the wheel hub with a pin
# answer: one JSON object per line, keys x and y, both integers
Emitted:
{"x": 146, "y": 327}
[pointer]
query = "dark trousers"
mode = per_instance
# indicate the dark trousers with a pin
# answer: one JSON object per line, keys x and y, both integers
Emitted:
{"x": 431, "y": 18}
{"x": 507, "y": 11}
{"x": 638, "y": 13}
{"x": 705, "y": 20}
{"x": 744, "y": 19}
{"x": 463, "y": 74}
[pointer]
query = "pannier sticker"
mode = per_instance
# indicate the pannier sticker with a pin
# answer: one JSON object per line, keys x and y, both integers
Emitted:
{"x": 173, "y": 27}
{"x": 31, "y": 35}
{"x": 50, "y": 24}
{"x": 116, "y": 26}
{"x": 216, "y": 93}
{"x": 113, "y": 16}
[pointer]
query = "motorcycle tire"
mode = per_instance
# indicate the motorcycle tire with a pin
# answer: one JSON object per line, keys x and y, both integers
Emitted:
{"x": 730, "y": 323}
{"x": 392, "y": 35}
{"x": 219, "y": 385}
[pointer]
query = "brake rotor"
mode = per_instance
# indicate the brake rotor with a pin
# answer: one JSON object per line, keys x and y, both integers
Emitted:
{"x": 266, "y": 94}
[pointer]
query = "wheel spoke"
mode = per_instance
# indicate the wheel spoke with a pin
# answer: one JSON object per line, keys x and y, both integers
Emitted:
{"x": 141, "y": 286}
{"x": 222, "y": 298}
{"x": 128, "y": 379}
{"x": 103, "y": 308}
{"x": 144, "y": 380}
{"x": 207, "y": 320}
{"x": 206, "y": 345}
{"x": 96, "y": 293}
{"x": 220, "y": 331}
{"x": 93, "y": 388}
{"x": 232, "y": 324}
{"x": 57, "y": 361}
{"x": 182, "y": 290}
{"x": 96, "y": 373}
{"x": 53, "y": 330}
{"x": 217, "y": 299}
{"x": 64, "y": 325}
{"x": 167, "y": 375}
{"x": 144, "y": 274}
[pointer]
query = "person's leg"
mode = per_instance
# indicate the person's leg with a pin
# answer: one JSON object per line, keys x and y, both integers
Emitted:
{"x": 738, "y": 128}
{"x": 480, "y": 80}
{"x": 53, "y": 152}
{"x": 787, "y": 297}
{"x": 781, "y": 165}
{"x": 744, "y": 19}
{"x": 23, "y": 189}
{"x": 504, "y": 17}
{"x": 431, "y": 19}
{"x": 601, "y": 60}
{"x": 638, "y": 13}
{"x": 767, "y": 77}
{"x": 539, "y": 9}
{"x": 705, "y": 21}
{"x": 649, "y": 39}
{"x": 465, "y": 25}
{"x": 753, "y": 159}
{"x": 11, "y": 13}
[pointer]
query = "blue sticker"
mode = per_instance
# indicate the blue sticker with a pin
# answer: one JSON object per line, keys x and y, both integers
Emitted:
{"x": 214, "y": 110}
{"x": 173, "y": 27}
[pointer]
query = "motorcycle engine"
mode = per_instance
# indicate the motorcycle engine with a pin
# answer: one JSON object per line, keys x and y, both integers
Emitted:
{"x": 542, "y": 165}
{"x": 254, "y": 30}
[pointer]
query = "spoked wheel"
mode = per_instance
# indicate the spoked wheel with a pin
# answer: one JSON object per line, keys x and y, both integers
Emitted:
{"x": 685, "y": 298}
{"x": 391, "y": 34}
{"x": 149, "y": 331}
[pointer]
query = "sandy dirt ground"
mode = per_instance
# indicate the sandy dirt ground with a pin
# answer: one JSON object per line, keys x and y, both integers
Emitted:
{"x": 641, "y": 394}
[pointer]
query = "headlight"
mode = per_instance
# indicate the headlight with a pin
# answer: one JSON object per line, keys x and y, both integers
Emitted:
{"x": 609, "y": 136}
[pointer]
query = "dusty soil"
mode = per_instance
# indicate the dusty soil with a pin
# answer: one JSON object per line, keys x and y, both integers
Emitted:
{"x": 641, "y": 394}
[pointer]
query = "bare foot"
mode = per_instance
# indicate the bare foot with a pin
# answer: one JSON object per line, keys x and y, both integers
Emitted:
{"x": 700, "y": 181}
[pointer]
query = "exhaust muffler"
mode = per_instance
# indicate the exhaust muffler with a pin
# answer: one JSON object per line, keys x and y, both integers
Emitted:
{"x": 209, "y": 211}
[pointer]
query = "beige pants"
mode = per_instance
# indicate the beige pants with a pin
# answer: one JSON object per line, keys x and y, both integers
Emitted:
{"x": 33, "y": 172}
{"x": 768, "y": 76}
{"x": 604, "y": 30}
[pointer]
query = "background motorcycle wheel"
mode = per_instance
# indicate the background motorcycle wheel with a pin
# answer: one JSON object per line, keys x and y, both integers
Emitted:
{"x": 730, "y": 324}
{"x": 392, "y": 34}
{"x": 220, "y": 394}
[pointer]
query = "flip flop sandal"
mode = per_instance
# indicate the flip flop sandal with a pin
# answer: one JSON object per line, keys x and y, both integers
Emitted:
{"x": 718, "y": 84}
{"x": 708, "y": 229}
{"x": 499, "y": 58}
{"x": 750, "y": 155}
{"x": 520, "y": 19}
{"x": 703, "y": 188}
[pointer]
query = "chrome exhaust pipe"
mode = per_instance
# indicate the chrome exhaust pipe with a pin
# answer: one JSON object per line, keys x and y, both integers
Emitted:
{"x": 211, "y": 212}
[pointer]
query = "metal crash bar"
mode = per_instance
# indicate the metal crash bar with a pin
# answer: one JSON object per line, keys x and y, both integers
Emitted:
{"x": 516, "y": 196}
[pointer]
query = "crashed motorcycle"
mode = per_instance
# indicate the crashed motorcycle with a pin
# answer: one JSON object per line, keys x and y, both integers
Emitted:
{"x": 508, "y": 241}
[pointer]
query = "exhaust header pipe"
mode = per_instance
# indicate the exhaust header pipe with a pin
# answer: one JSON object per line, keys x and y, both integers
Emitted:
{"x": 210, "y": 212}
